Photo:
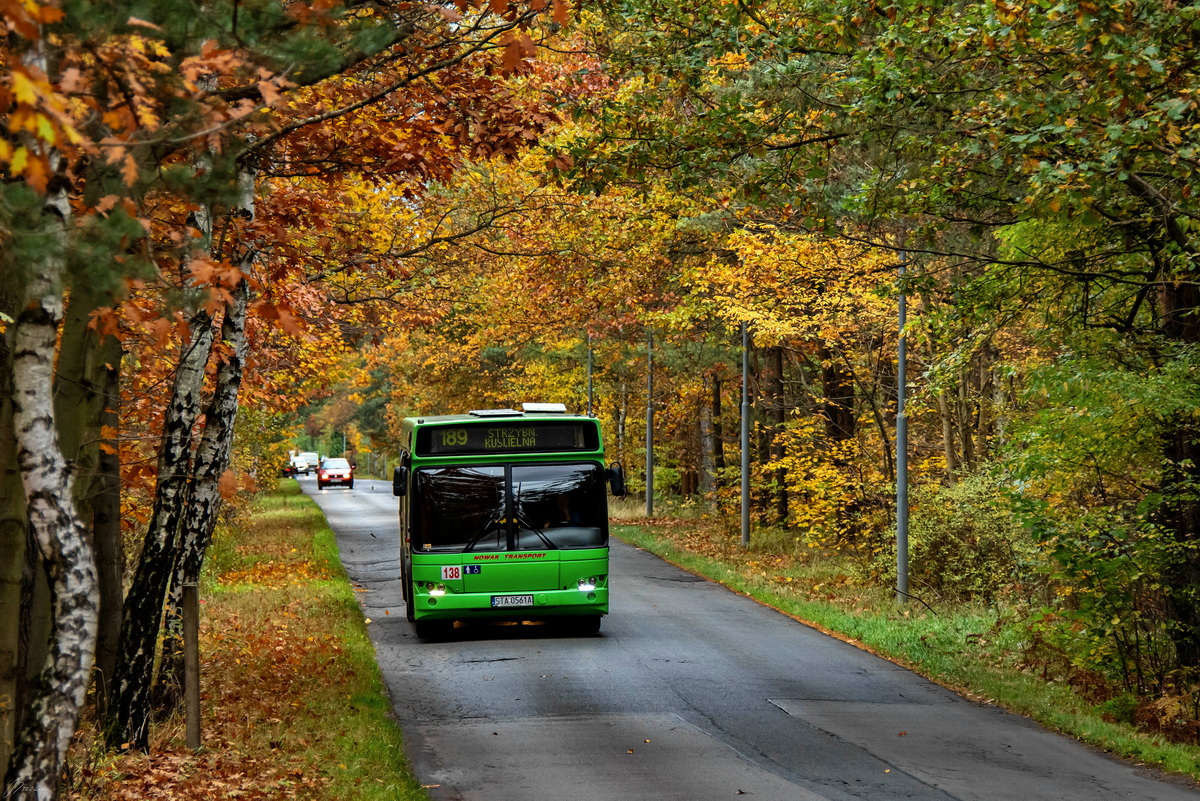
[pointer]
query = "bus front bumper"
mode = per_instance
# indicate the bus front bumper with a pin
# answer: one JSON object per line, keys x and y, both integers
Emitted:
{"x": 510, "y": 606}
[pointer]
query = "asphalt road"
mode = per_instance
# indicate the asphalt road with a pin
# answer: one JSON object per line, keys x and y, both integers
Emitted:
{"x": 690, "y": 692}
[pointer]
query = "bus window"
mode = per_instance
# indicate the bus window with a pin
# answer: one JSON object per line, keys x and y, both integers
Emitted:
{"x": 459, "y": 507}
{"x": 559, "y": 506}
{"x": 465, "y": 508}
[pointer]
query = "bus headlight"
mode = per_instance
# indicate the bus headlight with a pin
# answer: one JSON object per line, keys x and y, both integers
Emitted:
{"x": 440, "y": 589}
{"x": 587, "y": 584}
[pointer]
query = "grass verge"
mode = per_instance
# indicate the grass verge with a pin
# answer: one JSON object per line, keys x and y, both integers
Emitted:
{"x": 293, "y": 702}
{"x": 969, "y": 650}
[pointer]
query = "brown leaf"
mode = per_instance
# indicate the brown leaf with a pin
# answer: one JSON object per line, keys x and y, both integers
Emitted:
{"x": 560, "y": 12}
{"x": 513, "y": 56}
{"x": 228, "y": 485}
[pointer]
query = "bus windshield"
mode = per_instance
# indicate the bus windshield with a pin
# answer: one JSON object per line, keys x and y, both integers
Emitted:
{"x": 468, "y": 508}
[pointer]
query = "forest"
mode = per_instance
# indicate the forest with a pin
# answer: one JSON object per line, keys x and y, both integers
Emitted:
{"x": 228, "y": 227}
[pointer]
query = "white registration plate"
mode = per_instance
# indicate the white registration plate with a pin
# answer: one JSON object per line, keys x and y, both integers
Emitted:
{"x": 512, "y": 600}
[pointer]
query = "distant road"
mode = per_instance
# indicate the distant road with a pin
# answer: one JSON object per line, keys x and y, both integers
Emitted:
{"x": 690, "y": 692}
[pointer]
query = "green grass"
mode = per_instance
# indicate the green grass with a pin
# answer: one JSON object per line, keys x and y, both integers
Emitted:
{"x": 293, "y": 703}
{"x": 346, "y": 728}
{"x": 970, "y": 649}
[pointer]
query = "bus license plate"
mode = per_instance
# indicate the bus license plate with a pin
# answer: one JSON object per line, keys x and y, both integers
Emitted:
{"x": 512, "y": 600}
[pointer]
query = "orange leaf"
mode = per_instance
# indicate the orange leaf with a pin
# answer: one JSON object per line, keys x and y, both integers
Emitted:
{"x": 134, "y": 21}
{"x": 228, "y": 485}
{"x": 160, "y": 329}
{"x": 37, "y": 174}
{"x": 130, "y": 171}
{"x": 270, "y": 93}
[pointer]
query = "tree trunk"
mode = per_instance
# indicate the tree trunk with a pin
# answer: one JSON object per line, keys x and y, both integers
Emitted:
{"x": 85, "y": 395}
{"x": 948, "y": 450}
{"x": 718, "y": 429}
{"x": 840, "y": 421}
{"x": 204, "y": 503}
{"x": 622, "y": 414}
{"x": 213, "y": 455}
{"x": 1181, "y": 491}
{"x": 707, "y": 450}
{"x": 1182, "y": 579}
{"x": 106, "y": 528}
{"x": 12, "y": 552}
{"x": 967, "y": 421}
{"x": 129, "y": 707}
{"x": 61, "y": 538}
{"x": 775, "y": 413}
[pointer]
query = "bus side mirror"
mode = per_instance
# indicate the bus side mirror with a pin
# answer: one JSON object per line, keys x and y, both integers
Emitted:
{"x": 400, "y": 480}
{"x": 616, "y": 480}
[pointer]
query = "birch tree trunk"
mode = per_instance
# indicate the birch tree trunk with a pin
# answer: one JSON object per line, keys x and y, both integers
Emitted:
{"x": 213, "y": 454}
{"x": 129, "y": 707}
{"x": 204, "y": 503}
{"x": 60, "y": 536}
{"x": 85, "y": 398}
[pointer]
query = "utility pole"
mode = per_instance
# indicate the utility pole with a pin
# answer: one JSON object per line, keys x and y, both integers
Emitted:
{"x": 902, "y": 448}
{"x": 745, "y": 436}
{"x": 589, "y": 375}
{"x": 650, "y": 426}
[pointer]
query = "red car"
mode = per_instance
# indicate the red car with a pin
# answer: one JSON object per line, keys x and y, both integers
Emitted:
{"x": 335, "y": 471}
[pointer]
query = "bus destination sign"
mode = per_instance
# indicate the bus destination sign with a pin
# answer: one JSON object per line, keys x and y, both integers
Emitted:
{"x": 508, "y": 437}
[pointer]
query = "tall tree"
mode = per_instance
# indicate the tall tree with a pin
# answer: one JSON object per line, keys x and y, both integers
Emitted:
{"x": 130, "y": 94}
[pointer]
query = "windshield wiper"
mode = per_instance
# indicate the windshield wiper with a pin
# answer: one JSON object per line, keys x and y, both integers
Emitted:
{"x": 479, "y": 538}
{"x": 524, "y": 522}
{"x": 491, "y": 523}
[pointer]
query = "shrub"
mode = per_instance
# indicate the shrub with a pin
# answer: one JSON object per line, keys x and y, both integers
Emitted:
{"x": 963, "y": 541}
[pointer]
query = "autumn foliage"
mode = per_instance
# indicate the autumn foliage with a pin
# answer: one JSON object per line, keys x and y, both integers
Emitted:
{"x": 435, "y": 208}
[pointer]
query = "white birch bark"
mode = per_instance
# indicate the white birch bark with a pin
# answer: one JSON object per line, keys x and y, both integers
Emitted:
{"x": 60, "y": 535}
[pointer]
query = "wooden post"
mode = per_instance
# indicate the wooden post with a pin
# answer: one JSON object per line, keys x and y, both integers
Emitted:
{"x": 191, "y": 663}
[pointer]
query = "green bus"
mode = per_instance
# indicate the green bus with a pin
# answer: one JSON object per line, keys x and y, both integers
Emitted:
{"x": 504, "y": 516}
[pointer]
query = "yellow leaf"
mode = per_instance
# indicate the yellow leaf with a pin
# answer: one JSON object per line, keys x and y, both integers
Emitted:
{"x": 46, "y": 130}
{"x": 19, "y": 160}
{"x": 23, "y": 88}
